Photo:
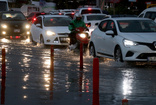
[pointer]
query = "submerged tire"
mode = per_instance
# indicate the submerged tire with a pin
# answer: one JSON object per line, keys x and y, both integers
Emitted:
{"x": 118, "y": 55}
{"x": 92, "y": 50}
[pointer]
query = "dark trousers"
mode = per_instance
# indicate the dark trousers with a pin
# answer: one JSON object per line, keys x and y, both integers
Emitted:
{"x": 72, "y": 37}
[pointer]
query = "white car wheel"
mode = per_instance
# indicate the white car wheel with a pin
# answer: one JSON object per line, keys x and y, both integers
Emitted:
{"x": 118, "y": 55}
{"x": 41, "y": 40}
{"x": 92, "y": 50}
{"x": 31, "y": 39}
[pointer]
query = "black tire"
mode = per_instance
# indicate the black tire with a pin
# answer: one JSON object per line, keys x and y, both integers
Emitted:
{"x": 92, "y": 50}
{"x": 31, "y": 39}
{"x": 41, "y": 40}
{"x": 118, "y": 55}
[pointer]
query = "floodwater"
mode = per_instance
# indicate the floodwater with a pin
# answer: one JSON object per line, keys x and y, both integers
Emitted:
{"x": 30, "y": 81}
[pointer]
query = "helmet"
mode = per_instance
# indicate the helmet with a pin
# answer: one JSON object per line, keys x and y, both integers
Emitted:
{"x": 77, "y": 15}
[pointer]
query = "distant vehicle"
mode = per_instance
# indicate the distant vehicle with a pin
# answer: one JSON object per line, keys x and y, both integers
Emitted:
{"x": 70, "y": 14}
{"x": 4, "y": 5}
{"x": 14, "y": 25}
{"x": 124, "y": 39}
{"x": 51, "y": 30}
{"x": 66, "y": 10}
{"x": 88, "y": 10}
{"x": 92, "y": 20}
{"x": 27, "y": 9}
{"x": 32, "y": 17}
{"x": 148, "y": 13}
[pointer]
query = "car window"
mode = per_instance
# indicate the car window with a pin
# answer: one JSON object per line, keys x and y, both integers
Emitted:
{"x": 137, "y": 26}
{"x": 95, "y": 17}
{"x": 13, "y": 16}
{"x": 57, "y": 21}
{"x": 111, "y": 25}
{"x": 90, "y": 11}
{"x": 151, "y": 15}
{"x": 102, "y": 25}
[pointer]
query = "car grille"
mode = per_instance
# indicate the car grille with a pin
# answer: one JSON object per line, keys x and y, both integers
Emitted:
{"x": 150, "y": 45}
{"x": 63, "y": 33}
{"x": 145, "y": 55}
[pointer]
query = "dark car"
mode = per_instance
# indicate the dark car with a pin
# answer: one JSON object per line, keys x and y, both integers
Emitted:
{"x": 32, "y": 17}
{"x": 13, "y": 24}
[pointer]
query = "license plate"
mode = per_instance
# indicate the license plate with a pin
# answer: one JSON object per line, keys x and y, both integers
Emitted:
{"x": 151, "y": 58}
{"x": 64, "y": 39}
{"x": 16, "y": 30}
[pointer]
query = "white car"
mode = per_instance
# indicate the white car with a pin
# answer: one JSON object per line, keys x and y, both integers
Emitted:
{"x": 88, "y": 10}
{"x": 124, "y": 39}
{"x": 148, "y": 13}
{"x": 92, "y": 20}
{"x": 51, "y": 30}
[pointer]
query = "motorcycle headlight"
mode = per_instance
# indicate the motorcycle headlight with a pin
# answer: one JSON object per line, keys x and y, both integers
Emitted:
{"x": 50, "y": 33}
{"x": 4, "y": 26}
{"x": 27, "y": 26}
{"x": 83, "y": 35}
{"x": 129, "y": 43}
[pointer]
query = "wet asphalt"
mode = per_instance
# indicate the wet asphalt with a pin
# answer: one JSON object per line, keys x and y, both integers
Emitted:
{"x": 29, "y": 80}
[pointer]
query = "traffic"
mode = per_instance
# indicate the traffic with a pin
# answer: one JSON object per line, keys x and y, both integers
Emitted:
{"x": 80, "y": 56}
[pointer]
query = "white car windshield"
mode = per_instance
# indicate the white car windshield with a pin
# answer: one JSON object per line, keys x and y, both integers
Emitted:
{"x": 13, "y": 16}
{"x": 136, "y": 25}
{"x": 96, "y": 17}
{"x": 56, "y": 21}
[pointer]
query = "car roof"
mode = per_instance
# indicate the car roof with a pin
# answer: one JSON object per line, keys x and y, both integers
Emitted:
{"x": 150, "y": 9}
{"x": 93, "y": 14}
{"x": 10, "y": 12}
{"x": 53, "y": 16}
{"x": 127, "y": 18}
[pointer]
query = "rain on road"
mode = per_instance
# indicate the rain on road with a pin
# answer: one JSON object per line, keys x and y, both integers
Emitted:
{"x": 29, "y": 81}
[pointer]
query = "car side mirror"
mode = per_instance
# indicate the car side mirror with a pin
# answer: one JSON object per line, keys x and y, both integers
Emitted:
{"x": 110, "y": 32}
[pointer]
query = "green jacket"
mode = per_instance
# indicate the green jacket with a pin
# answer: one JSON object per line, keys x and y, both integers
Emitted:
{"x": 74, "y": 24}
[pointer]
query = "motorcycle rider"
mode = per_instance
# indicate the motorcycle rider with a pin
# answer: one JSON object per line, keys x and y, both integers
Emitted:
{"x": 77, "y": 22}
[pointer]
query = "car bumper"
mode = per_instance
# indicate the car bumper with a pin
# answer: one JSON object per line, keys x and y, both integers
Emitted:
{"x": 139, "y": 53}
{"x": 57, "y": 40}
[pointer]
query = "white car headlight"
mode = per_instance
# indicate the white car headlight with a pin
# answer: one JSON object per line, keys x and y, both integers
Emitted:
{"x": 82, "y": 35}
{"x": 50, "y": 33}
{"x": 27, "y": 26}
{"x": 129, "y": 43}
{"x": 4, "y": 26}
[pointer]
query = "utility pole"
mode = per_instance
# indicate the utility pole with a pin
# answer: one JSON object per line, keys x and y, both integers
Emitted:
{"x": 98, "y": 3}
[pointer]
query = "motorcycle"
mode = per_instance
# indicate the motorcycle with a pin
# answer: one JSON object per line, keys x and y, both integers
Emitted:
{"x": 82, "y": 38}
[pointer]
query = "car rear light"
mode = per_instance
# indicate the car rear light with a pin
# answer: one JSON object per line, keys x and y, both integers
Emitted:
{"x": 88, "y": 25}
{"x": 15, "y": 37}
{"x": 89, "y": 8}
{"x": 34, "y": 19}
{"x": 42, "y": 13}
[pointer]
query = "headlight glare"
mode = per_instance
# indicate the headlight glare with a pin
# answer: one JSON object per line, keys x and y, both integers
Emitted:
{"x": 50, "y": 33}
{"x": 4, "y": 26}
{"x": 27, "y": 26}
{"x": 129, "y": 43}
{"x": 82, "y": 35}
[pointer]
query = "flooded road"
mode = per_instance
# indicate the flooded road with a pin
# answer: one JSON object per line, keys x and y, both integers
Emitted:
{"x": 30, "y": 82}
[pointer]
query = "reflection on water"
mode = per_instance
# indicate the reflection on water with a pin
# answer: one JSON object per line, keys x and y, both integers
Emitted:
{"x": 127, "y": 82}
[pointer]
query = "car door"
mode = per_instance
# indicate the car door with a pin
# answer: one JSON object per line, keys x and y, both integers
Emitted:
{"x": 109, "y": 40}
{"x": 100, "y": 37}
{"x": 37, "y": 29}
